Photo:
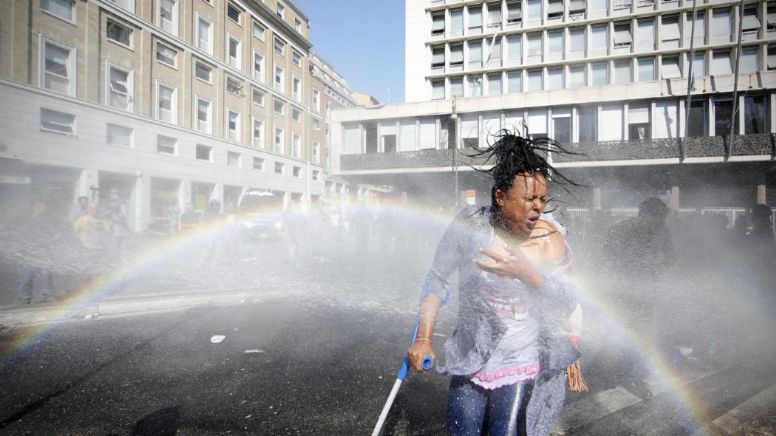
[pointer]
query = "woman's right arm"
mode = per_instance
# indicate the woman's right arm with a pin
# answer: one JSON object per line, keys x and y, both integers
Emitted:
{"x": 422, "y": 347}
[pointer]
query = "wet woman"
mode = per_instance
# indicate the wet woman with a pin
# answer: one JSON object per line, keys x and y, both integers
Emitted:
{"x": 512, "y": 341}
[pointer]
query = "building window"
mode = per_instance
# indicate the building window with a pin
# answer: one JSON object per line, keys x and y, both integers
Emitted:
{"x": 258, "y": 67}
{"x": 119, "y": 88}
{"x": 233, "y": 125}
{"x": 495, "y": 53}
{"x": 771, "y": 21}
{"x": 204, "y": 35}
{"x": 437, "y": 23}
{"x": 280, "y": 45}
{"x": 438, "y": 58}
{"x": 721, "y": 27}
{"x": 577, "y": 41}
{"x": 755, "y": 114}
{"x": 535, "y": 80}
{"x": 670, "y": 67}
{"x": 128, "y": 5}
{"x": 166, "y": 55}
{"x": 316, "y": 152}
{"x": 535, "y": 47}
{"x": 723, "y": 110}
{"x": 577, "y": 8}
{"x": 296, "y": 89}
{"x": 279, "y": 166}
{"x": 278, "y": 106}
{"x": 296, "y": 114}
{"x": 316, "y": 175}
{"x": 599, "y": 40}
{"x": 258, "y": 133}
{"x": 475, "y": 54}
{"x": 646, "y": 29}
{"x": 119, "y": 34}
{"x": 64, "y": 9}
{"x": 296, "y": 146}
{"x": 669, "y": 31}
{"x": 316, "y": 124}
{"x": 646, "y": 69}
{"x": 297, "y": 171}
{"x": 233, "y": 52}
{"x": 534, "y": 10}
{"x": 258, "y": 31}
{"x": 204, "y": 152}
{"x": 58, "y": 71}
{"x": 700, "y": 29}
{"x": 554, "y": 9}
{"x": 494, "y": 84}
{"x": 587, "y": 117}
{"x": 58, "y": 122}
{"x": 317, "y": 100}
{"x": 258, "y": 164}
{"x": 456, "y": 22}
{"x": 720, "y": 63}
{"x": 456, "y": 87}
{"x": 622, "y": 34}
{"x": 696, "y": 121}
{"x": 494, "y": 15}
{"x": 165, "y": 103}
{"x": 296, "y": 58}
{"x": 639, "y": 125}
{"x": 233, "y": 13}
{"x": 279, "y": 79}
{"x": 258, "y": 97}
{"x": 555, "y": 45}
{"x": 437, "y": 89}
{"x": 750, "y": 60}
{"x": 514, "y": 50}
{"x": 456, "y": 57}
{"x": 577, "y": 76}
{"x": 555, "y": 78}
{"x": 514, "y": 12}
{"x": 203, "y": 72}
{"x": 166, "y": 145}
{"x": 599, "y": 74}
{"x": 119, "y": 136}
{"x": 167, "y": 15}
{"x": 619, "y": 5}
{"x": 298, "y": 25}
{"x": 203, "y": 115}
{"x": 279, "y": 140}
{"x": 751, "y": 23}
{"x": 475, "y": 85}
{"x": 514, "y": 82}
{"x": 233, "y": 159}
{"x": 561, "y": 126}
{"x": 280, "y": 10}
{"x": 771, "y": 57}
{"x": 622, "y": 71}
{"x": 234, "y": 86}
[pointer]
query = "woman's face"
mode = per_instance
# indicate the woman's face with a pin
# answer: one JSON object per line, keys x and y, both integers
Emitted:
{"x": 523, "y": 203}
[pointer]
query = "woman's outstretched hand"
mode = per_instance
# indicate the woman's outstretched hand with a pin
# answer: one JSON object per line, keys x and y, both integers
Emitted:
{"x": 417, "y": 352}
{"x": 505, "y": 261}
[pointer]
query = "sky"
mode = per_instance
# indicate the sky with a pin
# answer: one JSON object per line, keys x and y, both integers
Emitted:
{"x": 363, "y": 40}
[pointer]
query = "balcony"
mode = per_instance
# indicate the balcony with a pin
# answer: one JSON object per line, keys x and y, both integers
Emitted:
{"x": 632, "y": 150}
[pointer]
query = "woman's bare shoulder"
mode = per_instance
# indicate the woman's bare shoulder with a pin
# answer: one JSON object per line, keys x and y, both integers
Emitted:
{"x": 554, "y": 246}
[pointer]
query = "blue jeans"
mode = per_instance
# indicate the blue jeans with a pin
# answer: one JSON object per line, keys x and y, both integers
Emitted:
{"x": 473, "y": 410}
{"x": 27, "y": 276}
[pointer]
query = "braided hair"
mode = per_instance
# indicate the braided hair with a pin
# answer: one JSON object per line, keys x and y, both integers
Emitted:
{"x": 512, "y": 154}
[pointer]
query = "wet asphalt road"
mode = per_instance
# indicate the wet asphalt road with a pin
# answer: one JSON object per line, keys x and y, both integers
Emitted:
{"x": 325, "y": 337}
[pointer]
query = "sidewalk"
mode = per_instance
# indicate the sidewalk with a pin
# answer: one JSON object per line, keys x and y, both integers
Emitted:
{"x": 41, "y": 313}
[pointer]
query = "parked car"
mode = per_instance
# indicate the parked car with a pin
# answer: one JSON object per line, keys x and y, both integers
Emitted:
{"x": 261, "y": 214}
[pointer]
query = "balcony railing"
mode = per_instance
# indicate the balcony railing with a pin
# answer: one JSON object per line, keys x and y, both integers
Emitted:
{"x": 763, "y": 144}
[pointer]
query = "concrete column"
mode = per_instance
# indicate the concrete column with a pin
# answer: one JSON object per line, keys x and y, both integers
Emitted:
{"x": 674, "y": 200}
{"x": 597, "y": 203}
{"x": 88, "y": 182}
{"x": 141, "y": 203}
{"x": 217, "y": 194}
{"x": 761, "y": 197}
{"x": 184, "y": 194}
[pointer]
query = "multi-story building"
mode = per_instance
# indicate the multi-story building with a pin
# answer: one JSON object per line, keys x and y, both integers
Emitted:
{"x": 160, "y": 103}
{"x": 607, "y": 78}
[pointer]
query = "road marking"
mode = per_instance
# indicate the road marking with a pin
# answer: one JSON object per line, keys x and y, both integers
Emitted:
{"x": 593, "y": 407}
{"x": 752, "y": 416}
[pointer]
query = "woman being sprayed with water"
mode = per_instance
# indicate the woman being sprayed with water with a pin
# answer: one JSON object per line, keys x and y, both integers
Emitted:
{"x": 512, "y": 342}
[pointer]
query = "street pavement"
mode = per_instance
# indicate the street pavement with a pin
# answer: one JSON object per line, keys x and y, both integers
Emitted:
{"x": 310, "y": 348}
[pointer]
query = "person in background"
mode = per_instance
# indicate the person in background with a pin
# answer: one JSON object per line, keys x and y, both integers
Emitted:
{"x": 79, "y": 209}
{"x": 38, "y": 234}
{"x": 513, "y": 345}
